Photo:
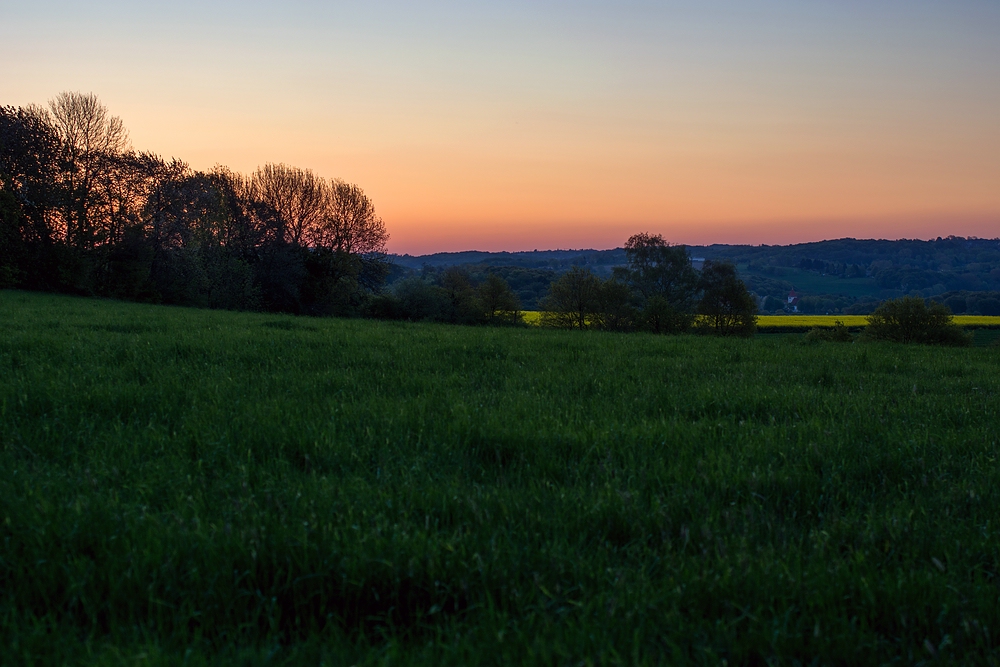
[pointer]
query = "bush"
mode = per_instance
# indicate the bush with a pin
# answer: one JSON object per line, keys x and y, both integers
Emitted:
{"x": 911, "y": 320}
{"x": 659, "y": 316}
{"x": 838, "y": 334}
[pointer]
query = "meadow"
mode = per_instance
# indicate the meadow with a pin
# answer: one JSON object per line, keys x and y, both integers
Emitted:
{"x": 200, "y": 487}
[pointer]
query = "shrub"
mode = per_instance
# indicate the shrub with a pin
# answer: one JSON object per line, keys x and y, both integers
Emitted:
{"x": 911, "y": 320}
{"x": 838, "y": 334}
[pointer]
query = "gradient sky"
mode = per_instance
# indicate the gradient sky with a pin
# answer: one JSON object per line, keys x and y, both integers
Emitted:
{"x": 521, "y": 125}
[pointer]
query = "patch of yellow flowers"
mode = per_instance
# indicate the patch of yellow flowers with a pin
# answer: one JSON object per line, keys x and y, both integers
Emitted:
{"x": 534, "y": 317}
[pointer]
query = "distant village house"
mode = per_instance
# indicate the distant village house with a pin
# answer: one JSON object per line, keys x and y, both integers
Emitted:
{"x": 793, "y": 302}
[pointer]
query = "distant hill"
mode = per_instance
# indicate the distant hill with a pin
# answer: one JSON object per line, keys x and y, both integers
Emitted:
{"x": 832, "y": 276}
{"x": 955, "y": 251}
{"x": 558, "y": 260}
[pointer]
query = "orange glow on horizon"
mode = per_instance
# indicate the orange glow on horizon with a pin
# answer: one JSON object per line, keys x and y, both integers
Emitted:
{"x": 512, "y": 126}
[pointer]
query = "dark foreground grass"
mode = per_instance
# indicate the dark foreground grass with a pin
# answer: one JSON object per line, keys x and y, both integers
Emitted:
{"x": 196, "y": 487}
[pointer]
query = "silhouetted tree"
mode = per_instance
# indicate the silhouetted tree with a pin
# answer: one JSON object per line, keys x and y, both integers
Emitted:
{"x": 299, "y": 198}
{"x": 90, "y": 140}
{"x": 573, "y": 301}
{"x": 350, "y": 226}
{"x": 663, "y": 282}
{"x": 29, "y": 148}
{"x": 462, "y": 305}
{"x": 349, "y": 222}
{"x": 615, "y": 311}
{"x": 727, "y": 308}
{"x": 497, "y": 300}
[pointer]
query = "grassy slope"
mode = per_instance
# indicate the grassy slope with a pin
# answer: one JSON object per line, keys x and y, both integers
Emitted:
{"x": 254, "y": 487}
{"x": 812, "y": 282}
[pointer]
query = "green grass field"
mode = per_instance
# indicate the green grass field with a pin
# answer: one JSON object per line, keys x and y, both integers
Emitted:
{"x": 811, "y": 282}
{"x": 201, "y": 487}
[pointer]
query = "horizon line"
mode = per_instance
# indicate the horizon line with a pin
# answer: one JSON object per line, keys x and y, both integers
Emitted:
{"x": 702, "y": 245}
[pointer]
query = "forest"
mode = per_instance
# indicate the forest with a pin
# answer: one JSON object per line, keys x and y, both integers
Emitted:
{"x": 82, "y": 212}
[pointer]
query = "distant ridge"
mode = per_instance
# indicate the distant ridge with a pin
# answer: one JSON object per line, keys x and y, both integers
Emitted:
{"x": 838, "y": 275}
{"x": 845, "y": 250}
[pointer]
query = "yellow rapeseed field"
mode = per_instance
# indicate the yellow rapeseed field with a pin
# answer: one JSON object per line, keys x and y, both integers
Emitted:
{"x": 809, "y": 321}
{"x": 534, "y": 317}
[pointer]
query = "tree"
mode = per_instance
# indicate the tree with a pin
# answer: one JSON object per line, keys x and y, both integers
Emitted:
{"x": 498, "y": 301}
{"x": 298, "y": 197}
{"x": 349, "y": 225}
{"x": 349, "y": 222}
{"x": 242, "y": 223}
{"x": 615, "y": 311}
{"x": 29, "y": 153}
{"x": 727, "y": 307}
{"x": 911, "y": 320}
{"x": 573, "y": 301}
{"x": 663, "y": 282}
{"x": 462, "y": 306}
{"x": 11, "y": 243}
{"x": 90, "y": 139}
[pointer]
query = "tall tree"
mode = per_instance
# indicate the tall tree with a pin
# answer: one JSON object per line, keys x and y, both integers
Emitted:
{"x": 663, "y": 282}
{"x": 350, "y": 226}
{"x": 29, "y": 148}
{"x": 90, "y": 140}
{"x": 498, "y": 301}
{"x": 349, "y": 222}
{"x": 298, "y": 196}
{"x": 573, "y": 301}
{"x": 727, "y": 307}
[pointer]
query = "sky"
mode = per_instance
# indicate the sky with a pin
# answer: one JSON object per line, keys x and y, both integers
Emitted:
{"x": 524, "y": 125}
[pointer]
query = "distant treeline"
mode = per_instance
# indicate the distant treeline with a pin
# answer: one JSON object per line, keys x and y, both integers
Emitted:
{"x": 839, "y": 276}
{"x": 657, "y": 290}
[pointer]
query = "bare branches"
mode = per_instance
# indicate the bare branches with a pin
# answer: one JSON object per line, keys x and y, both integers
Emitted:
{"x": 86, "y": 127}
{"x": 126, "y": 223}
{"x": 349, "y": 223}
{"x": 90, "y": 141}
{"x": 313, "y": 211}
{"x": 297, "y": 196}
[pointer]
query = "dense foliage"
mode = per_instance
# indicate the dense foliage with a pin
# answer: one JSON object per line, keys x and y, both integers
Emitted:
{"x": 911, "y": 320}
{"x": 83, "y": 212}
{"x": 726, "y": 307}
{"x": 200, "y": 487}
{"x": 450, "y": 296}
{"x": 658, "y": 290}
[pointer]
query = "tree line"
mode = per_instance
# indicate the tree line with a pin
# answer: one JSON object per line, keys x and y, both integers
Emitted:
{"x": 82, "y": 211}
{"x": 658, "y": 290}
